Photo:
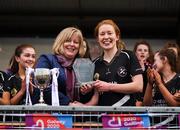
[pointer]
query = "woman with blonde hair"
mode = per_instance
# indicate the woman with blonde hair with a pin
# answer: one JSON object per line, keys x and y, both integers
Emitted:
{"x": 66, "y": 48}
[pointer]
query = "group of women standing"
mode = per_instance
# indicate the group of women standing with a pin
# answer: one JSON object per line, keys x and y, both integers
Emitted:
{"x": 120, "y": 72}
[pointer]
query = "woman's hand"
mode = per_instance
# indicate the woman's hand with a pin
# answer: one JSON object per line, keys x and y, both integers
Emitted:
{"x": 157, "y": 78}
{"x": 150, "y": 75}
{"x": 102, "y": 86}
{"x": 23, "y": 86}
{"x": 76, "y": 103}
{"x": 86, "y": 88}
{"x": 177, "y": 96}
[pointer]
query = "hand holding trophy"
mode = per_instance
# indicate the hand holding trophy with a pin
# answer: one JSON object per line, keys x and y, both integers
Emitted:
{"x": 42, "y": 79}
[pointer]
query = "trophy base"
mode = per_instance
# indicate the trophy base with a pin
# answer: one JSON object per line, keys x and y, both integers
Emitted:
{"x": 40, "y": 104}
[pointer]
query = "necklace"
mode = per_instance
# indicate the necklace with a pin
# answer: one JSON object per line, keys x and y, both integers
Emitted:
{"x": 167, "y": 79}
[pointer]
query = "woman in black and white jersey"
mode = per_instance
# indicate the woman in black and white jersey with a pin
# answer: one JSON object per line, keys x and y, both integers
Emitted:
{"x": 119, "y": 72}
{"x": 23, "y": 57}
{"x": 163, "y": 81}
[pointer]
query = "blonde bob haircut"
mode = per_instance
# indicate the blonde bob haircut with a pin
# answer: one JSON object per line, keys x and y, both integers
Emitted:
{"x": 64, "y": 36}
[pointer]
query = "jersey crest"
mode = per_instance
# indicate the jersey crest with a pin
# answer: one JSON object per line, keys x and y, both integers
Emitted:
{"x": 122, "y": 71}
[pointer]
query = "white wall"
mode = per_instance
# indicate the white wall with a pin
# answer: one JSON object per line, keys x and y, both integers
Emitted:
{"x": 44, "y": 45}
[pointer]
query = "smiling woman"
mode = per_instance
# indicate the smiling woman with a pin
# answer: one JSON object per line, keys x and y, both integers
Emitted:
{"x": 120, "y": 74}
{"x": 24, "y": 57}
{"x": 163, "y": 81}
{"x": 67, "y": 46}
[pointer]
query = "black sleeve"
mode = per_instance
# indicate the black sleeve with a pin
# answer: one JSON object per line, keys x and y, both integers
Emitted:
{"x": 4, "y": 81}
{"x": 178, "y": 82}
{"x": 135, "y": 67}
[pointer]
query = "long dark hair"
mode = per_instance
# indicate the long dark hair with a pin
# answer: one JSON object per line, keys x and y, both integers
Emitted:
{"x": 172, "y": 44}
{"x": 13, "y": 64}
{"x": 171, "y": 57}
{"x": 87, "y": 53}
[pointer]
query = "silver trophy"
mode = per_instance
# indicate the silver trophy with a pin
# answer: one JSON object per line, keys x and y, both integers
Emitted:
{"x": 42, "y": 78}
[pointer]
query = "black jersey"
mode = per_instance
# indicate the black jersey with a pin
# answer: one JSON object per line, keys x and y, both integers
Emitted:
{"x": 173, "y": 85}
{"x": 120, "y": 70}
{"x": 14, "y": 86}
{"x": 140, "y": 95}
{"x": 3, "y": 82}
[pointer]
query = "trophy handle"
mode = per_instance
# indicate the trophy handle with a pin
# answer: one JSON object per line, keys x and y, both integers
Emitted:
{"x": 55, "y": 71}
{"x": 55, "y": 94}
{"x": 29, "y": 71}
